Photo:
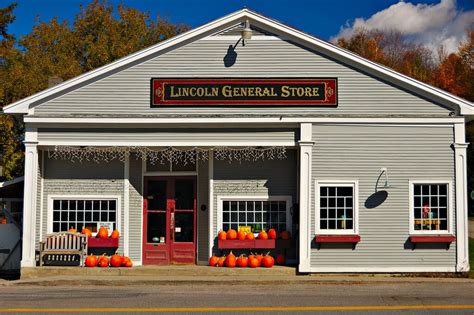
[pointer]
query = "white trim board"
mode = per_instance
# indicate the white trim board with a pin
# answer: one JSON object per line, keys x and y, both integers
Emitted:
{"x": 279, "y": 29}
{"x": 394, "y": 269}
{"x": 237, "y": 120}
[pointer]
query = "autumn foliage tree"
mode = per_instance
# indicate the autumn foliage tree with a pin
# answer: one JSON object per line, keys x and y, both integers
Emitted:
{"x": 97, "y": 37}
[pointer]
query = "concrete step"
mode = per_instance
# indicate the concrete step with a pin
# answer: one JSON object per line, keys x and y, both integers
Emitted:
{"x": 157, "y": 271}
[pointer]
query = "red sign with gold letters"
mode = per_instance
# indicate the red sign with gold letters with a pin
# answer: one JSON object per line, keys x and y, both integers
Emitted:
{"x": 287, "y": 92}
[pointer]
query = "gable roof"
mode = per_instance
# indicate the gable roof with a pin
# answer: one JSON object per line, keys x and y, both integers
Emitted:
{"x": 464, "y": 107}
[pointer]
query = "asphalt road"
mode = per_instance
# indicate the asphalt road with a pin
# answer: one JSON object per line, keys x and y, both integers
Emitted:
{"x": 227, "y": 298}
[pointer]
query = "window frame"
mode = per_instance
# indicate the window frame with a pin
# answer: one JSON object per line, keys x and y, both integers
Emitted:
{"x": 449, "y": 203}
{"x": 287, "y": 198}
{"x": 51, "y": 198}
{"x": 355, "y": 199}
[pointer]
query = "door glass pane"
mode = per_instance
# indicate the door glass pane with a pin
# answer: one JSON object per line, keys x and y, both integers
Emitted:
{"x": 156, "y": 195}
{"x": 184, "y": 227}
{"x": 184, "y": 194}
{"x": 156, "y": 229}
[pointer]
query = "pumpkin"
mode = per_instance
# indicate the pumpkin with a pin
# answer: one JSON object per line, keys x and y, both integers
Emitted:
{"x": 250, "y": 236}
{"x": 231, "y": 234}
{"x": 259, "y": 258}
{"x": 280, "y": 260}
{"x": 115, "y": 234}
{"x": 222, "y": 235}
{"x": 213, "y": 261}
{"x": 253, "y": 262}
{"x": 91, "y": 261}
{"x": 116, "y": 261}
{"x": 221, "y": 261}
{"x": 103, "y": 261}
{"x": 251, "y": 256}
{"x": 285, "y": 235}
{"x": 230, "y": 260}
{"x": 241, "y": 235}
{"x": 272, "y": 234}
{"x": 263, "y": 235}
{"x": 268, "y": 261}
{"x": 72, "y": 230}
{"x": 103, "y": 233}
{"x": 126, "y": 262}
{"x": 242, "y": 261}
{"x": 86, "y": 231}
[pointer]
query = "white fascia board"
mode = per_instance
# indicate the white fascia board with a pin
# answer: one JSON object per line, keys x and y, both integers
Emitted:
{"x": 22, "y": 106}
{"x": 12, "y": 181}
{"x": 230, "y": 120}
{"x": 466, "y": 107}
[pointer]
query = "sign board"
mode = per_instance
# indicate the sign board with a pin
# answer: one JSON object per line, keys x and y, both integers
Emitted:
{"x": 230, "y": 92}
{"x": 245, "y": 228}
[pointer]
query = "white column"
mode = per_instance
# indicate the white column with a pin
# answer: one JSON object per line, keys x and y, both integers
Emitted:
{"x": 306, "y": 147}
{"x": 462, "y": 245}
{"x": 126, "y": 205}
{"x": 29, "y": 200}
{"x": 211, "y": 200}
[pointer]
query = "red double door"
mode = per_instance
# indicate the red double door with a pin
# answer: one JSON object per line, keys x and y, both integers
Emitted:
{"x": 169, "y": 220}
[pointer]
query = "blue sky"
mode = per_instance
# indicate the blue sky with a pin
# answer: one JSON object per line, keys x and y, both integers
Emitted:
{"x": 322, "y": 18}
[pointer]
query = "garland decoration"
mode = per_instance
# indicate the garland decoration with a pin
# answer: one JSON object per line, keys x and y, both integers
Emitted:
{"x": 169, "y": 154}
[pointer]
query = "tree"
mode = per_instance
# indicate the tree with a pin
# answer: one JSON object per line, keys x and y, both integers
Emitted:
{"x": 96, "y": 38}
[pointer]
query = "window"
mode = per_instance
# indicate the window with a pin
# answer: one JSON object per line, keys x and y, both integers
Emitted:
{"x": 336, "y": 211}
{"x": 429, "y": 207}
{"x": 260, "y": 214}
{"x": 78, "y": 213}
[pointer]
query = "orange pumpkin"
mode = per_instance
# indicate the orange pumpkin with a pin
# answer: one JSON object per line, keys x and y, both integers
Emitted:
{"x": 103, "y": 262}
{"x": 103, "y": 233}
{"x": 116, "y": 261}
{"x": 230, "y": 260}
{"x": 72, "y": 230}
{"x": 263, "y": 235}
{"x": 250, "y": 236}
{"x": 268, "y": 261}
{"x": 213, "y": 261}
{"x": 280, "y": 260}
{"x": 259, "y": 258}
{"x": 86, "y": 231}
{"x": 242, "y": 261}
{"x": 221, "y": 261}
{"x": 231, "y": 234}
{"x": 272, "y": 234}
{"x": 222, "y": 235}
{"x": 127, "y": 262}
{"x": 253, "y": 262}
{"x": 241, "y": 235}
{"x": 115, "y": 234}
{"x": 91, "y": 261}
{"x": 285, "y": 235}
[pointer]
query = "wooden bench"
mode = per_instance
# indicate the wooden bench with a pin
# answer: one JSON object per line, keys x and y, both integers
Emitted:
{"x": 61, "y": 247}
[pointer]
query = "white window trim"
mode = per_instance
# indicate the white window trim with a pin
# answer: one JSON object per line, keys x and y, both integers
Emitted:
{"x": 286, "y": 198}
{"x": 411, "y": 184}
{"x": 84, "y": 197}
{"x": 337, "y": 183}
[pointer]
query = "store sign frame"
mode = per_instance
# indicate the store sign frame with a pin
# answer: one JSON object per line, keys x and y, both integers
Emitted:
{"x": 244, "y": 92}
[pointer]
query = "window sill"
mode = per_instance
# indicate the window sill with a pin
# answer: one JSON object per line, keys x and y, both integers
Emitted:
{"x": 432, "y": 238}
{"x": 337, "y": 239}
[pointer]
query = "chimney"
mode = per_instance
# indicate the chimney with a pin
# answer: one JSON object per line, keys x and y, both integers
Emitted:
{"x": 54, "y": 80}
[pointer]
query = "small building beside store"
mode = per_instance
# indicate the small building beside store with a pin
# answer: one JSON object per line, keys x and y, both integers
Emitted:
{"x": 247, "y": 122}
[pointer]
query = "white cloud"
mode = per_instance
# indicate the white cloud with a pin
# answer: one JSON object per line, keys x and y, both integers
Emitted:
{"x": 441, "y": 24}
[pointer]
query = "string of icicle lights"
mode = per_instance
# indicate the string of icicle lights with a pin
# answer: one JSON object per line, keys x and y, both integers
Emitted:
{"x": 165, "y": 155}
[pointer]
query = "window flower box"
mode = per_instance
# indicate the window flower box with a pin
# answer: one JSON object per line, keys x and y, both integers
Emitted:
{"x": 99, "y": 246}
{"x": 337, "y": 239}
{"x": 245, "y": 244}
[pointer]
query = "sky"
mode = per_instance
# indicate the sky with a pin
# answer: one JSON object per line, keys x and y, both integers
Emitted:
{"x": 428, "y": 22}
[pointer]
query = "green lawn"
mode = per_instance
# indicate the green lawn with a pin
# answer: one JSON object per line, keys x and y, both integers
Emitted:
{"x": 471, "y": 257}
